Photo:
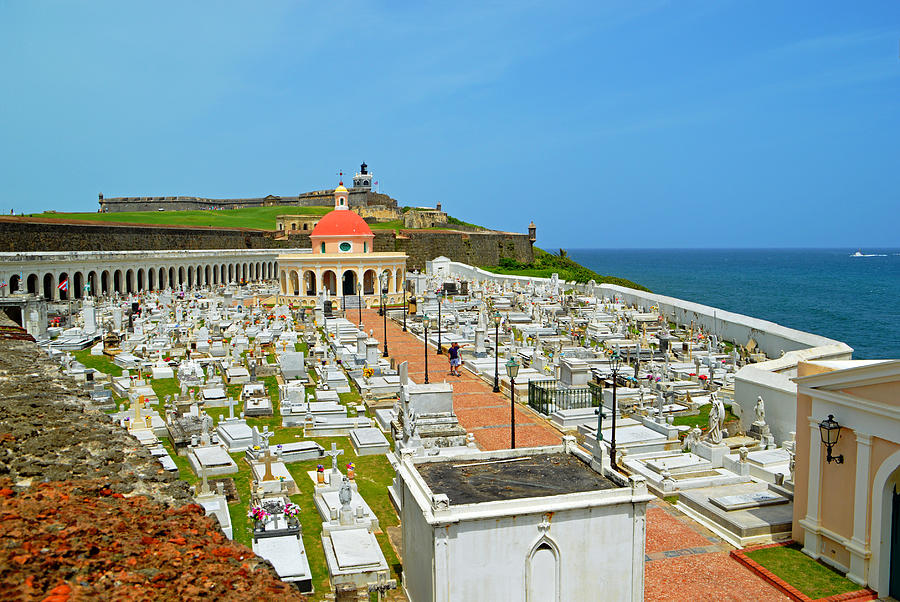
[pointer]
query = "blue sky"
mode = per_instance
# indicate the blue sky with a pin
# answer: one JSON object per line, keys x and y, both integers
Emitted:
{"x": 610, "y": 124}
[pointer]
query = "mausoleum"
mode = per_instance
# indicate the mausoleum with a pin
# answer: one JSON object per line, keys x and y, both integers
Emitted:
{"x": 343, "y": 261}
{"x": 530, "y": 524}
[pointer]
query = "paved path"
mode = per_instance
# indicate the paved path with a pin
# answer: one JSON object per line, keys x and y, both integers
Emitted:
{"x": 480, "y": 411}
{"x": 685, "y": 561}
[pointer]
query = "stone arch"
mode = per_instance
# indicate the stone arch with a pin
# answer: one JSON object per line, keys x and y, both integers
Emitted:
{"x": 282, "y": 280}
{"x": 542, "y": 572}
{"x": 161, "y": 278}
{"x": 63, "y": 295}
{"x": 129, "y": 280}
{"x": 189, "y": 276}
{"x": 399, "y": 280}
{"x": 32, "y": 284}
{"x": 208, "y": 273}
{"x": 14, "y": 283}
{"x": 309, "y": 283}
{"x": 329, "y": 282}
{"x": 181, "y": 275}
{"x": 390, "y": 280}
{"x": 49, "y": 285}
{"x": 151, "y": 279}
{"x": 90, "y": 281}
{"x": 172, "y": 282}
{"x": 275, "y": 268}
{"x": 369, "y": 282}
{"x": 348, "y": 282}
{"x": 117, "y": 281}
{"x": 295, "y": 284}
{"x": 104, "y": 282}
{"x": 141, "y": 280}
{"x": 886, "y": 478}
{"x": 230, "y": 272}
{"x": 77, "y": 285}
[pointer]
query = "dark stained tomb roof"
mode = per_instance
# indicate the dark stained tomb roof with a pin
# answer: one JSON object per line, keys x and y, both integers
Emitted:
{"x": 471, "y": 482}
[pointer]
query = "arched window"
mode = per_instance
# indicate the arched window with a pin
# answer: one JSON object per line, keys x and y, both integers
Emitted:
{"x": 365, "y": 247}
{"x": 293, "y": 225}
{"x": 323, "y": 247}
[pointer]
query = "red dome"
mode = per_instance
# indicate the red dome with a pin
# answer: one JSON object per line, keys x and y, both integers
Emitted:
{"x": 342, "y": 222}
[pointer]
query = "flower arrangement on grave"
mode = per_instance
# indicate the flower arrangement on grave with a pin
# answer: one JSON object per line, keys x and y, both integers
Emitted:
{"x": 320, "y": 474}
{"x": 291, "y": 510}
{"x": 257, "y": 513}
{"x": 351, "y": 471}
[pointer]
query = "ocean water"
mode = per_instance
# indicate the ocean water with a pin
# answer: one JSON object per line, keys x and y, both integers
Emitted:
{"x": 824, "y": 291}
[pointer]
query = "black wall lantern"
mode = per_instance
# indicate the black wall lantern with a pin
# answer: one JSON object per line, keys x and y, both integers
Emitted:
{"x": 830, "y": 431}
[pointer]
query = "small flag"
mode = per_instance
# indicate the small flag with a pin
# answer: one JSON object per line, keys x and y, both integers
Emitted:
{"x": 64, "y": 285}
{"x": 87, "y": 287}
{"x": 2, "y": 284}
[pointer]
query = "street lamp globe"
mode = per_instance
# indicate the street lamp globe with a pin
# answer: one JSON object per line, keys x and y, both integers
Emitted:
{"x": 512, "y": 367}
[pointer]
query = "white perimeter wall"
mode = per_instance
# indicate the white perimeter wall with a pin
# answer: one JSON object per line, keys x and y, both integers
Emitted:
{"x": 771, "y": 380}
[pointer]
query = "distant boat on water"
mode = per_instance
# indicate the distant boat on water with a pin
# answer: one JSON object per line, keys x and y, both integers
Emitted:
{"x": 859, "y": 253}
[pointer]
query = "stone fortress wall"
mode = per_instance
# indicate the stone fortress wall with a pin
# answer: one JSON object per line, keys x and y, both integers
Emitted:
{"x": 19, "y": 235}
{"x": 359, "y": 197}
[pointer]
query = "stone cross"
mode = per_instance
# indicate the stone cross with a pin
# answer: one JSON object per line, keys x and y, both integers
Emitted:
{"x": 204, "y": 487}
{"x": 659, "y": 405}
{"x": 334, "y": 453}
{"x": 231, "y": 404}
{"x": 268, "y": 476}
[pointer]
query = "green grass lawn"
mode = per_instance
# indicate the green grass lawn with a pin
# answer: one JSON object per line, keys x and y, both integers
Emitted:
{"x": 702, "y": 419}
{"x": 165, "y": 386}
{"x": 810, "y": 577}
{"x": 546, "y": 264}
{"x": 100, "y": 363}
{"x": 262, "y": 218}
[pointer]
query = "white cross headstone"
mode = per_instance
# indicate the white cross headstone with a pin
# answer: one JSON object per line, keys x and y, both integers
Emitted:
{"x": 334, "y": 453}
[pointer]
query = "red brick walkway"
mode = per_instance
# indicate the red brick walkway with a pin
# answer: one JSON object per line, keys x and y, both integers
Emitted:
{"x": 686, "y": 562}
{"x": 480, "y": 411}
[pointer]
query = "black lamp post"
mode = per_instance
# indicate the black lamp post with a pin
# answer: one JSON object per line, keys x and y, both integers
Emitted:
{"x": 615, "y": 361}
{"x": 830, "y": 431}
{"x": 384, "y": 291}
{"x": 440, "y": 348}
{"x": 405, "y": 306}
{"x": 512, "y": 370}
{"x": 359, "y": 301}
{"x": 497, "y": 352}
{"x": 425, "y": 320}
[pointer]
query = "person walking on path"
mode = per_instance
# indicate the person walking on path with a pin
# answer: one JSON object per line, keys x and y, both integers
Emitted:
{"x": 455, "y": 361}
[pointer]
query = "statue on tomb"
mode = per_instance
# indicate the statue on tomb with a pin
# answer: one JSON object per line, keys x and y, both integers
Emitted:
{"x": 345, "y": 494}
{"x": 760, "y": 411}
{"x": 715, "y": 432}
